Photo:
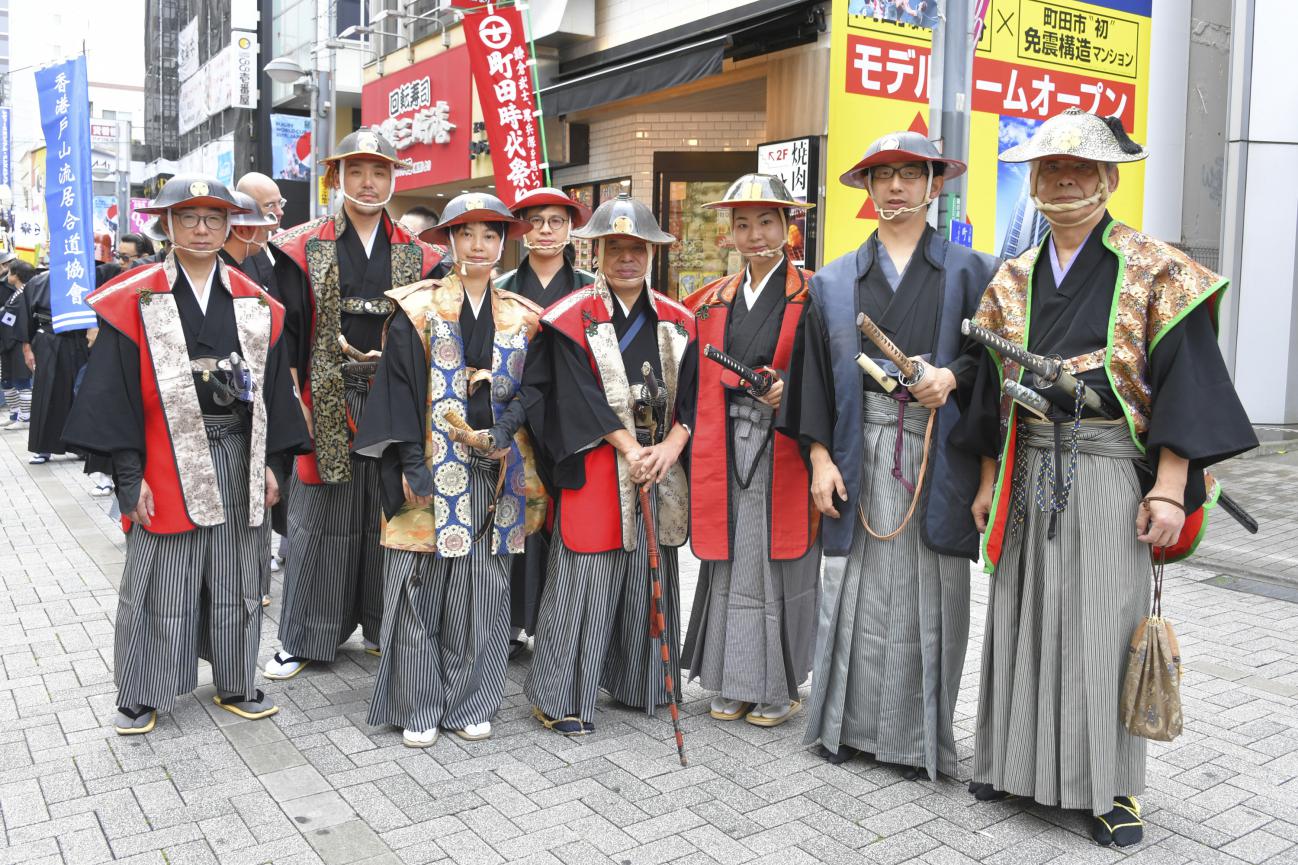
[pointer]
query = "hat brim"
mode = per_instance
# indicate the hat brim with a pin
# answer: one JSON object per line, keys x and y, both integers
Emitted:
{"x": 661, "y": 238}
{"x": 549, "y": 199}
{"x": 441, "y": 233}
{"x": 772, "y": 203}
{"x": 372, "y": 155}
{"x": 266, "y": 222}
{"x": 855, "y": 176}
{"x": 1029, "y": 151}
{"x": 196, "y": 201}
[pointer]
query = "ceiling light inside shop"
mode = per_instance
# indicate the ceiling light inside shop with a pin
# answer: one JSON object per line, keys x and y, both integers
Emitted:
{"x": 692, "y": 142}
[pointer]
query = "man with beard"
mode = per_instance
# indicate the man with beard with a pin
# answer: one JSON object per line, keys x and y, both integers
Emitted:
{"x": 333, "y": 272}
{"x": 544, "y": 276}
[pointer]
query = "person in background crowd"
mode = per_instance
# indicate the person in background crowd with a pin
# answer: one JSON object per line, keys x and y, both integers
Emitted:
{"x": 133, "y": 250}
{"x": 609, "y": 429}
{"x": 332, "y": 273}
{"x": 454, "y": 512}
{"x": 894, "y": 495}
{"x": 15, "y": 375}
{"x": 418, "y": 219}
{"x": 752, "y": 524}
{"x": 189, "y": 394}
{"x": 545, "y": 275}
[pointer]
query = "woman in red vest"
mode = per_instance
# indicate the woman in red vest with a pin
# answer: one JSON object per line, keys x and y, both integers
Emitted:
{"x": 753, "y": 628}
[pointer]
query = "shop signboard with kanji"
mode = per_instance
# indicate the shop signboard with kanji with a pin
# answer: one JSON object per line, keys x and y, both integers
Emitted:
{"x": 424, "y": 110}
{"x": 502, "y": 73}
{"x": 1034, "y": 59}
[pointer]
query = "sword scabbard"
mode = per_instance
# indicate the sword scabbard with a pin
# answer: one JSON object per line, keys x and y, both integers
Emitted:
{"x": 911, "y": 370}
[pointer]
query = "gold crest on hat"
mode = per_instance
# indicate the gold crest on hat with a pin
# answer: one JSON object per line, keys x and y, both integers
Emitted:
{"x": 623, "y": 225}
{"x": 475, "y": 203}
{"x": 198, "y": 188}
{"x": 367, "y": 142}
{"x": 890, "y": 144}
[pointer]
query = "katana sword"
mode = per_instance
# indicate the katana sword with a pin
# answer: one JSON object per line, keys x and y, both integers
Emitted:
{"x": 759, "y": 383}
{"x": 874, "y": 371}
{"x": 912, "y": 371}
{"x": 1049, "y": 376}
{"x": 1027, "y": 397}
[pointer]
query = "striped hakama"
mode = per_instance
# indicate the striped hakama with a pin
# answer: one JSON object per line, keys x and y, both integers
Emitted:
{"x": 334, "y": 578}
{"x": 445, "y": 629}
{"x": 1060, "y": 615}
{"x": 195, "y": 594}
{"x": 753, "y": 626}
{"x": 894, "y": 621}
{"x": 592, "y": 630}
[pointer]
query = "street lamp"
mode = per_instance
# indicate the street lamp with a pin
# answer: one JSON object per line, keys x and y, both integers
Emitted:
{"x": 286, "y": 70}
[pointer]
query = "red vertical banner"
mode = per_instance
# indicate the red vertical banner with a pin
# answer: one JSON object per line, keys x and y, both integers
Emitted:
{"x": 498, "y": 57}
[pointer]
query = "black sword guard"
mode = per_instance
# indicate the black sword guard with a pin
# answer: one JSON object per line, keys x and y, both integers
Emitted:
{"x": 759, "y": 383}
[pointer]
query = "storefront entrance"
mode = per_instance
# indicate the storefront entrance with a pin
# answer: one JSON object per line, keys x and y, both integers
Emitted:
{"x": 683, "y": 183}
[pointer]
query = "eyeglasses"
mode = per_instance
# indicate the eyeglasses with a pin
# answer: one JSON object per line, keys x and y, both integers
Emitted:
{"x": 122, "y": 256}
{"x": 275, "y": 204}
{"x": 189, "y": 219}
{"x": 907, "y": 172}
{"x": 555, "y": 222}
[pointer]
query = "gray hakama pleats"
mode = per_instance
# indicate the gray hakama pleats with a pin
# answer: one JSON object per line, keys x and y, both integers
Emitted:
{"x": 753, "y": 627}
{"x": 592, "y": 630}
{"x": 894, "y": 622}
{"x": 334, "y": 578}
{"x": 445, "y": 629}
{"x": 193, "y": 595}
{"x": 1060, "y": 614}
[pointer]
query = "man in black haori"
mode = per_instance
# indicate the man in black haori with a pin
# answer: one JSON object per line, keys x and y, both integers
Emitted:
{"x": 1087, "y": 492}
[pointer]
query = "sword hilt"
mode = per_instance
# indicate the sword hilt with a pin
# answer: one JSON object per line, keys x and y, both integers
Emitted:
{"x": 759, "y": 384}
{"x": 912, "y": 371}
{"x": 1026, "y": 397}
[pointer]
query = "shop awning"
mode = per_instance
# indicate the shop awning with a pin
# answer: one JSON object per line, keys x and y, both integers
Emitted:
{"x": 669, "y": 68}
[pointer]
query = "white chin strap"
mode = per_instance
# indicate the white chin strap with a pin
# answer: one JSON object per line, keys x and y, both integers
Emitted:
{"x": 171, "y": 230}
{"x": 545, "y": 247}
{"x": 376, "y": 206}
{"x": 1088, "y": 205}
{"x": 889, "y": 215}
{"x": 771, "y": 253}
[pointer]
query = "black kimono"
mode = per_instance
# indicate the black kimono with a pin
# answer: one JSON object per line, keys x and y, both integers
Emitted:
{"x": 59, "y": 357}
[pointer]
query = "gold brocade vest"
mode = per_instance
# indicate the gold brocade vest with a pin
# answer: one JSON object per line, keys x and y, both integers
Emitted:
{"x": 1157, "y": 286}
{"x": 445, "y": 526}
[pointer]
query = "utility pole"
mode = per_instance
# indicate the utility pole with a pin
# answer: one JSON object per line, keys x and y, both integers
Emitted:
{"x": 950, "y": 77}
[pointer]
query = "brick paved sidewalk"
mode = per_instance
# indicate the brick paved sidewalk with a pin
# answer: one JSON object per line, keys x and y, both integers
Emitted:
{"x": 316, "y": 784}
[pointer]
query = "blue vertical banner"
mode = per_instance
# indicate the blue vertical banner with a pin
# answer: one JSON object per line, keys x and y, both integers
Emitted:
{"x": 64, "y": 98}
{"x": 6, "y": 157}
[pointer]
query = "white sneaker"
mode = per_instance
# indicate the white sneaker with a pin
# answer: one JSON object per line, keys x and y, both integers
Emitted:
{"x": 475, "y": 732}
{"x": 102, "y": 490}
{"x": 282, "y": 666}
{"x": 418, "y": 738}
{"x": 18, "y": 424}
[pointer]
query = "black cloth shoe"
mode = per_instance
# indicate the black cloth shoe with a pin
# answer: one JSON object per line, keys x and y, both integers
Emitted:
{"x": 1122, "y": 826}
{"x": 987, "y": 793}
{"x": 839, "y": 757}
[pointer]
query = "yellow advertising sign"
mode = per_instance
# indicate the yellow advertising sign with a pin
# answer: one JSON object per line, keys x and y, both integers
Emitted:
{"x": 1035, "y": 58}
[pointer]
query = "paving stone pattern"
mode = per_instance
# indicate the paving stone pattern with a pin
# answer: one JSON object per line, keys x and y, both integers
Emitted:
{"x": 316, "y": 784}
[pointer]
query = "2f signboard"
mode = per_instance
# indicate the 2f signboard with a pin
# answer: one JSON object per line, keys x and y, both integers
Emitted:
{"x": 1034, "y": 59}
{"x": 502, "y": 73}
{"x": 796, "y": 162}
{"x": 424, "y": 110}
